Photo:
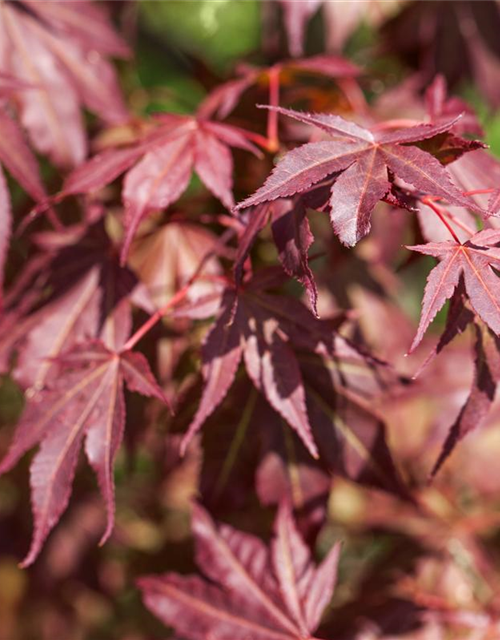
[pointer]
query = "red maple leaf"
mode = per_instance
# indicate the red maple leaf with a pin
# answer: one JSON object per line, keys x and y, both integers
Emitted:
{"x": 84, "y": 402}
{"x": 164, "y": 160}
{"x": 312, "y": 377}
{"x": 473, "y": 261}
{"x": 253, "y": 592}
{"x": 358, "y": 163}
{"x": 82, "y": 293}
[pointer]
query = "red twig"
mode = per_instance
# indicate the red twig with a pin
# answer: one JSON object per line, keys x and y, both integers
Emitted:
{"x": 262, "y": 141}
{"x": 158, "y": 315}
{"x": 272, "y": 117}
{"x": 428, "y": 200}
{"x": 178, "y": 297}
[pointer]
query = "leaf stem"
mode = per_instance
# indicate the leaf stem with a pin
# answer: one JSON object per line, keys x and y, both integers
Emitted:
{"x": 428, "y": 200}
{"x": 274, "y": 99}
{"x": 262, "y": 141}
{"x": 177, "y": 298}
{"x": 157, "y": 315}
{"x": 459, "y": 223}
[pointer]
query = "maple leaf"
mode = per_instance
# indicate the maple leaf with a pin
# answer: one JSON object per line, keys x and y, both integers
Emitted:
{"x": 362, "y": 160}
{"x": 164, "y": 159}
{"x": 167, "y": 258}
{"x": 276, "y": 594}
{"x": 314, "y": 379}
{"x": 257, "y": 335}
{"x": 84, "y": 401}
{"x": 247, "y": 441}
{"x": 85, "y": 294}
{"x": 59, "y": 49}
{"x": 473, "y": 261}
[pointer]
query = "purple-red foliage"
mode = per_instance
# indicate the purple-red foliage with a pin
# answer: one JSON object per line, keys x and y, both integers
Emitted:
{"x": 121, "y": 273}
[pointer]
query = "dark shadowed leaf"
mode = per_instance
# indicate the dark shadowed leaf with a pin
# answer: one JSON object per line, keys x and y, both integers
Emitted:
{"x": 482, "y": 393}
{"x": 246, "y": 598}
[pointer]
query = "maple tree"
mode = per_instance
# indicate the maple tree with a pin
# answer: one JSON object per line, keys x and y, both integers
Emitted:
{"x": 249, "y": 293}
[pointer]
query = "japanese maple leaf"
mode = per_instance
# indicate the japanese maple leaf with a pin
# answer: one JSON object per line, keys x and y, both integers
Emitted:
{"x": 84, "y": 294}
{"x": 314, "y": 379}
{"x": 245, "y": 440}
{"x": 164, "y": 159}
{"x": 479, "y": 401}
{"x": 252, "y": 591}
{"x": 255, "y": 332}
{"x": 358, "y": 161}
{"x": 473, "y": 261}
{"x": 476, "y": 171}
{"x": 84, "y": 402}
{"x": 166, "y": 258}
{"x": 60, "y": 49}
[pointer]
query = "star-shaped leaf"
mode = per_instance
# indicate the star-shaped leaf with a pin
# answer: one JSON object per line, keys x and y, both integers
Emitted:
{"x": 252, "y": 326}
{"x": 318, "y": 382}
{"x": 253, "y": 592}
{"x": 86, "y": 295}
{"x": 360, "y": 164}
{"x": 84, "y": 402}
{"x": 159, "y": 165}
{"x": 473, "y": 261}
